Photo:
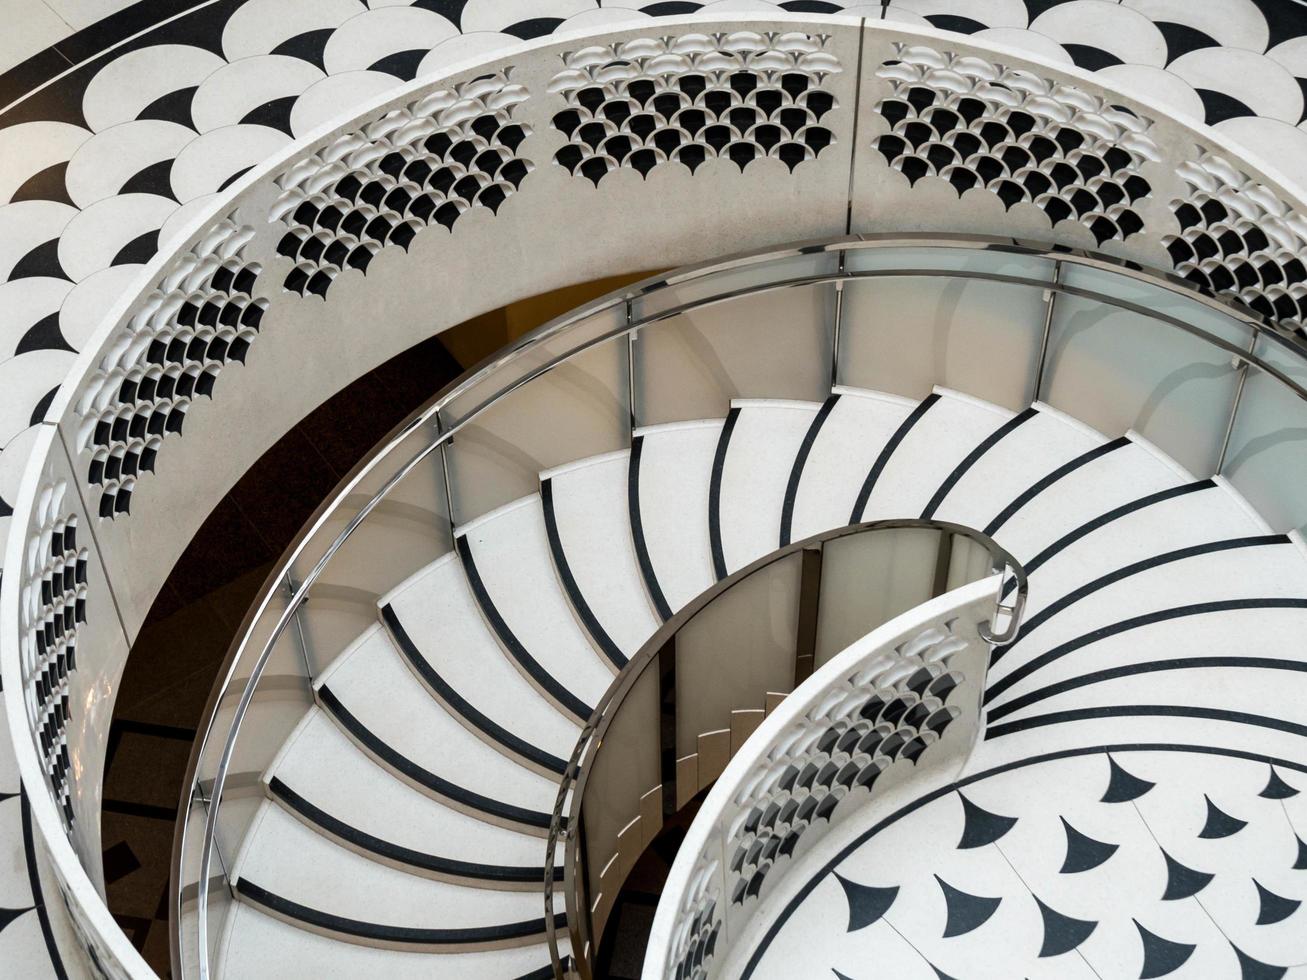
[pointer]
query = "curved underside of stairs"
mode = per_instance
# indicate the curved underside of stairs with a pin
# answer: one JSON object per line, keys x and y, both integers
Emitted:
{"x": 425, "y": 773}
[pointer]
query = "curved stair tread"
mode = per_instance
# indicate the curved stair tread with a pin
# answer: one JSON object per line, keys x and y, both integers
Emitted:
{"x": 257, "y": 945}
{"x": 1240, "y": 631}
{"x": 1039, "y": 446}
{"x": 752, "y": 475}
{"x": 284, "y": 856}
{"x": 1142, "y": 528}
{"x": 591, "y": 516}
{"x": 412, "y": 860}
{"x": 1115, "y": 474}
{"x": 328, "y": 770}
{"x": 375, "y": 686}
{"x": 946, "y": 427}
{"x": 1273, "y": 569}
{"x": 673, "y": 465}
{"x": 512, "y": 555}
{"x": 439, "y": 615}
{"x": 850, "y": 432}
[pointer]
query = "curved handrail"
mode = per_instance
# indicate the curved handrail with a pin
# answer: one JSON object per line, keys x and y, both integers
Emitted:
{"x": 256, "y": 186}
{"x": 430, "y": 415}
{"x": 576, "y": 777}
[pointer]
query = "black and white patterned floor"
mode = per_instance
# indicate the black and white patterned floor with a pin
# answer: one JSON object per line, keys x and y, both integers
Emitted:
{"x": 1105, "y": 864}
{"x": 114, "y": 138}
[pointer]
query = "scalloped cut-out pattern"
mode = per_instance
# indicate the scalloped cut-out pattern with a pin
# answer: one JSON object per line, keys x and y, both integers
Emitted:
{"x": 975, "y": 123}
{"x": 740, "y": 96}
{"x": 1238, "y": 238}
{"x": 200, "y": 317}
{"x": 52, "y": 611}
{"x": 888, "y": 711}
{"x": 426, "y": 163}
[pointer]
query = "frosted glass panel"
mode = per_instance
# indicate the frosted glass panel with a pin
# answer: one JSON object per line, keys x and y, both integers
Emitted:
{"x": 740, "y": 647}
{"x": 904, "y": 335}
{"x": 511, "y": 368}
{"x": 1116, "y": 370}
{"x": 1267, "y": 457}
{"x": 992, "y": 261}
{"x": 575, "y": 410}
{"x": 689, "y": 289}
{"x": 1157, "y": 299}
{"x": 868, "y": 579}
{"x": 769, "y": 345}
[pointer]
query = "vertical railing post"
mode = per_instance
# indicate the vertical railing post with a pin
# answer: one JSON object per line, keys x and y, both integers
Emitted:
{"x": 838, "y": 327}
{"x": 943, "y": 563}
{"x": 1235, "y": 402}
{"x": 1037, "y": 389}
{"x": 301, "y": 640}
{"x": 805, "y": 644}
{"x": 632, "y": 421}
{"x": 667, "y": 726}
{"x": 444, "y": 472}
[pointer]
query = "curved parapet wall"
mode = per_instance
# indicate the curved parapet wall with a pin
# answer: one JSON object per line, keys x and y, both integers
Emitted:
{"x": 566, "y": 160}
{"x": 821, "y": 757}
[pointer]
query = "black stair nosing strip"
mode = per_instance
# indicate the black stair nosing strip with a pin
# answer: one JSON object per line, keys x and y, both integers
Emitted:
{"x": 406, "y": 767}
{"x": 1135, "y": 622}
{"x": 1146, "y": 711}
{"x": 570, "y": 586}
{"x": 973, "y": 457}
{"x": 464, "y": 708}
{"x": 637, "y": 532}
{"x": 1102, "y": 520}
{"x": 800, "y": 461}
{"x": 1039, "y": 486}
{"x": 401, "y": 935}
{"x": 883, "y": 458}
{"x": 404, "y": 855}
{"x": 1136, "y": 669}
{"x": 546, "y": 681}
{"x": 547, "y": 972}
{"x": 715, "y": 495}
{"x": 1144, "y": 565}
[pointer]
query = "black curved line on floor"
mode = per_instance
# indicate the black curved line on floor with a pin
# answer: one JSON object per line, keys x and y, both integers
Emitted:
{"x": 1039, "y": 486}
{"x": 570, "y": 586}
{"x": 1147, "y": 667}
{"x": 637, "y": 532}
{"x": 1102, "y": 520}
{"x": 882, "y": 460}
{"x": 545, "y": 680}
{"x": 380, "y": 932}
{"x": 715, "y": 495}
{"x": 1111, "y": 578}
{"x": 973, "y": 457}
{"x": 547, "y": 972}
{"x": 796, "y": 471}
{"x": 405, "y": 855}
{"x": 34, "y": 882}
{"x": 1135, "y": 622}
{"x": 406, "y": 767}
{"x": 909, "y": 808}
{"x": 1146, "y": 711}
{"x": 461, "y": 706}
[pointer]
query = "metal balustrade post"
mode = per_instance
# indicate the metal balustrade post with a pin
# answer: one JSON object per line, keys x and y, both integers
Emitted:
{"x": 805, "y": 644}
{"x": 632, "y": 414}
{"x": 667, "y": 726}
{"x": 1235, "y": 402}
{"x": 444, "y": 473}
{"x": 943, "y": 563}
{"x": 1040, "y": 365}
{"x": 301, "y": 640}
{"x": 838, "y": 326}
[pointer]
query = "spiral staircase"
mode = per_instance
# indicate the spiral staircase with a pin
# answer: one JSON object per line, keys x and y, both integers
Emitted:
{"x": 921, "y": 560}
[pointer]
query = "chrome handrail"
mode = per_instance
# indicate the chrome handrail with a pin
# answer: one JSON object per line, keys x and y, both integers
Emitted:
{"x": 562, "y": 825}
{"x": 430, "y": 415}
